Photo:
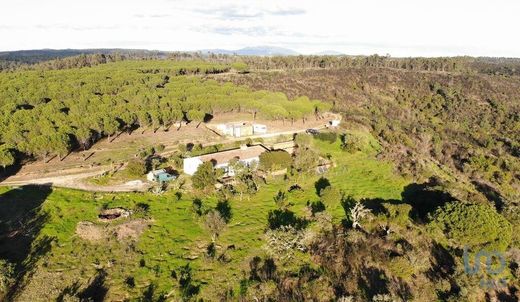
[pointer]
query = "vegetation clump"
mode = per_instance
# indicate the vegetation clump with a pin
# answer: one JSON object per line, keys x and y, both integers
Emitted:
{"x": 473, "y": 226}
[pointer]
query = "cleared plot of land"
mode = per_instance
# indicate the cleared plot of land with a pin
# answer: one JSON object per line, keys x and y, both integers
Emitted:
{"x": 107, "y": 155}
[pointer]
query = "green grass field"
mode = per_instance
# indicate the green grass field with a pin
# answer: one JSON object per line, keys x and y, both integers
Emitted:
{"x": 177, "y": 235}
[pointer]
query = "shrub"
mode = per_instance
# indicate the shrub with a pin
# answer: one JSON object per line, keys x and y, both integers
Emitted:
{"x": 281, "y": 199}
{"x": 136, "y": 168}
{"x": 330, "y": 137}
{"x": 473, "y": 225}
{"x": 160, "y": 148}
{"x": 397, "y": 214}
{"x": 240, "y": 67}
{"x": 130, "y": 282}
{"x": 146, "y": 152}
{"x": 330, "y": 196}
{"x": 205, "y": 177}
{"x": 186, "y": 284}
{"x": 142, "y": 208}
{"x": 214, "y": 223}
{"x": 197, "y": 206}
{"x": 275, "y": 160}
{"x": 305, "y": 160}
{"x": 7, "y": 274}
{"x": 316, "y": 207}
{"x": 352, "y": 143}
{"x": 401, "y": 267}
{"x": 303, "y": 140}
{"x": 211, "y": 250}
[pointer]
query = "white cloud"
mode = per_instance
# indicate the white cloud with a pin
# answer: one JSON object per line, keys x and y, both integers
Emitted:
{"x": 401, "y": 28}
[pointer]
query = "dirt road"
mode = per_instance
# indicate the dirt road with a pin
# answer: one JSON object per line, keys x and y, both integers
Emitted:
{"x": 75, "y": 179}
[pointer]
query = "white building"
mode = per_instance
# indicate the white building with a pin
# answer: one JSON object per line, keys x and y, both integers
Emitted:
{"x": 240, "y": 129}
{"x": 246, "y": 155}
{"x": 334, "y": 123}
{"x": 259, "y": 129}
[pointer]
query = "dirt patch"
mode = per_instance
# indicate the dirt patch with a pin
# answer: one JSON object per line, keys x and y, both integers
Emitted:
{"x": 132, "y": 229}
{"x": 89, "y": 231}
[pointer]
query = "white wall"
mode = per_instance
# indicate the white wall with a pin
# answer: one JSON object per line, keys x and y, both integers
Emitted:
{"x": 190, "y": 165}
{"x": 259, "y": 128}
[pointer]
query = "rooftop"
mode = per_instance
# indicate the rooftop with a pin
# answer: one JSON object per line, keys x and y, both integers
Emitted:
{"x": 226, "y": 156}
{"x": 157, "y": 172}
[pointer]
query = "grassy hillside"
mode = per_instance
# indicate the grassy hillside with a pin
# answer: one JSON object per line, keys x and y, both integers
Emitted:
{"x": 66, "y": 264}
{"x": 421, "y": 178}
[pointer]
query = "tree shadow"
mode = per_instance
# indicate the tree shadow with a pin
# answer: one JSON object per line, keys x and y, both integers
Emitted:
{"x": 373, "y": 281}
{"x": 425, "y": 198}
{"x": 508, "y": 296}
{"x": 21, "y": 220}
{"x": 284, "y": 217}
{"x": 150, "y": 294}
{"x": 262, "y": 270}
{"x": 491, "y": 194}
{"x": 316, "y": 207}
{"x": 321, "y": 184}
{"x": 442, "y": 263}
{"x": 10, "y": 170}
{"x": 97, "y": 290}
{"x": 376, "y": 205}
{"x": 207, "y": 118}
{"x": 69, "y": 291}
{"x": 224, "y": 209}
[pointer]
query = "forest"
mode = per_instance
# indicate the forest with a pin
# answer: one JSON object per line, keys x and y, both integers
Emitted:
{"x": 53, "y": 112}
{"x": 62, "y": 59}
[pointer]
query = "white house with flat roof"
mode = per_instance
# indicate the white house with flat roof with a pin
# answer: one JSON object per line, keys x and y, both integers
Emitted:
{"x": 334, "y": 123}
{"x": 246, "y": 155}
{"x": 259, "y": 129}
{"x": 241, "y": 129}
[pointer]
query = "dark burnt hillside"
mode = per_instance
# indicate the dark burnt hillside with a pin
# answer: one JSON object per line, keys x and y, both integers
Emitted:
{"x": 467, "y": 124}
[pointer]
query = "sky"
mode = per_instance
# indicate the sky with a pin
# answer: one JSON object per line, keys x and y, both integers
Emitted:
{"x": 394, "y": 27}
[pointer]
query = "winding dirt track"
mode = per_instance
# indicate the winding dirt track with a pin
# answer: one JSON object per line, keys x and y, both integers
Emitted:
{"x": 76, "y": 180}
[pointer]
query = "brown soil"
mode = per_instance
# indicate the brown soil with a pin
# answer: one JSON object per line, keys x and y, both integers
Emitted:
{"x": 89, "y": 231}
{"x": 130, "y": 230}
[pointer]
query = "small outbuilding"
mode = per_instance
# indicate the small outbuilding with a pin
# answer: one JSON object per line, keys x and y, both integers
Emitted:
{"x": 334, "y": 123}
{"x": 160, "y": 176}
{"x": 240, "y": 129}
{"x": 259, "y": 129}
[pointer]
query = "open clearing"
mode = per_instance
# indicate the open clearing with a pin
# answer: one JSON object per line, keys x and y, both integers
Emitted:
{"x": 176, "y": 235}
{"x": 104, "y": 155}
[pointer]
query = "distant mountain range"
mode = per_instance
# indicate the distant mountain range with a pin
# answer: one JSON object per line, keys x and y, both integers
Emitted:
{"x": 329, "y": 53}
{"x": 267, "y": 51}
{"x": 39, "y": 55}
{"x": 254, "y": 51}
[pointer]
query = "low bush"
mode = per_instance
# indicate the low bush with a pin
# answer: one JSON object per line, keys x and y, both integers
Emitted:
{"x": 330, "y": 137}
